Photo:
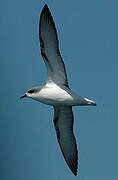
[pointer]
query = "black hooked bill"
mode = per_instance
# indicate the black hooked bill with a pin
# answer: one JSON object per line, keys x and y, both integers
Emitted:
{"x": 23, "y": 96}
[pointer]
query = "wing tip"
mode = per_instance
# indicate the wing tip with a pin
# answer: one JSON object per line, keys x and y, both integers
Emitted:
{"x": 46, "y": 16}
{"x": 72, "y": 163}
{"x": 45, "y": 7}
{"x": 47, "y": 19}
{"x": 45, "y": 10}
{"x": 74, "y": 169}
{"x": 75, "y": 173}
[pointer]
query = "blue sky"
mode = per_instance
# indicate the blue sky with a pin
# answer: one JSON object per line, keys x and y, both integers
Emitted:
{"x": 88, "y": 34}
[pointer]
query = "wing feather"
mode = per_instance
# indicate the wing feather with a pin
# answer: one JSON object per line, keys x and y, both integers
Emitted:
{"x": 63, "y": 121}
{"x": 50, "y": 48}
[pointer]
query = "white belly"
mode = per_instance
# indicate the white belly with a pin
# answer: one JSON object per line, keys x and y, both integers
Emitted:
{"x": 54, "y": 95}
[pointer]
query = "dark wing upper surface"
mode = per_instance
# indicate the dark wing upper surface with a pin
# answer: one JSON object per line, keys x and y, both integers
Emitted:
{"x": 63, "y": 121}
{"x": 50, "y": 48}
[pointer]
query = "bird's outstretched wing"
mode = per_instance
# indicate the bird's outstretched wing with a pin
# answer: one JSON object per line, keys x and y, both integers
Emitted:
{"x": 50, "y": 49}
{"x": 63, "y": 121}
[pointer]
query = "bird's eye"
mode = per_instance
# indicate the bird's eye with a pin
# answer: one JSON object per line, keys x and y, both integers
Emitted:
{"x": 31, "y": 91}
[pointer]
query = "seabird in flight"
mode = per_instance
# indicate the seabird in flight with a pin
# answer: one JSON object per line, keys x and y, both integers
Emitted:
{"x": 56, "y": 91}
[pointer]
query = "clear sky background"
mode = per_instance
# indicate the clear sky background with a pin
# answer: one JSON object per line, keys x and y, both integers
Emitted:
{"x": 88, "y": 34}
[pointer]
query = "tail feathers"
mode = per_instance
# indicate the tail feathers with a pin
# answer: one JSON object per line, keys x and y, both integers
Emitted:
{"x": 90, "y": 102}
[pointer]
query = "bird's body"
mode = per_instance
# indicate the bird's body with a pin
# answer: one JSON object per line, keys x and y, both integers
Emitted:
{"x": 56, "y": 91}
{"x": 54, "y": 95}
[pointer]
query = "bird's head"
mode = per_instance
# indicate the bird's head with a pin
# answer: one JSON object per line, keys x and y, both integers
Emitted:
{"x": 31, "y": 93}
